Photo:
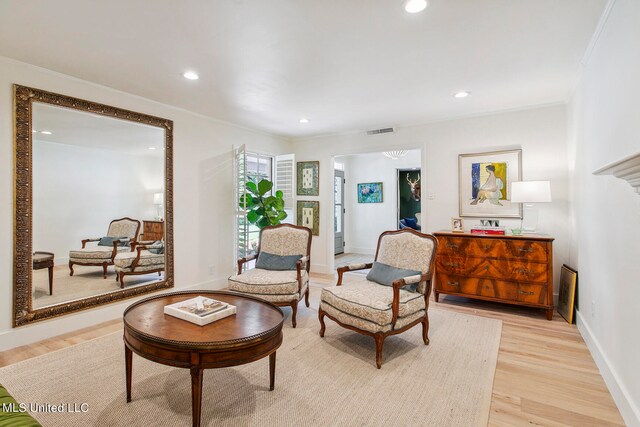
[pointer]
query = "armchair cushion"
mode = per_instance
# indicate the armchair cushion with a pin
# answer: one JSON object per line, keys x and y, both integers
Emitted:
{"x": 267, "y": 282}
{"x": 267, "y": 261}
{"x": 411, "y": 222}
{"x": 123, "y": 260}
{"x": 93, "y": 254}
{"x": 386, "y": 274}
{"x": 156, "y": 247}
{"x": 371, "y": 302}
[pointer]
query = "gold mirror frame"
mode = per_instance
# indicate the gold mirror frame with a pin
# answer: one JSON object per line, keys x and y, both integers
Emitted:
{"x": 23, "y": 311}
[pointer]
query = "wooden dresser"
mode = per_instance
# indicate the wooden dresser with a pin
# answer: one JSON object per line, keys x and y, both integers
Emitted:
{"x": 152, "y": 230}
{"x": 509, "y": 269}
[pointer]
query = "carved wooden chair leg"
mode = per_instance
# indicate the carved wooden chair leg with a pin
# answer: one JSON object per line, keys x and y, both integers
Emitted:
{"x": 121, "y": 280}
{"x": 321, "y": 319}
{"x": 104, "y": 270}
{"x": 379, "y": 337}
{"x": 117, "y": 276}
{"x": 306, "y": 297}
{"x": 70, "y": 268}
{"x": 294, "y": 307}
{"x": 425, "y": 330}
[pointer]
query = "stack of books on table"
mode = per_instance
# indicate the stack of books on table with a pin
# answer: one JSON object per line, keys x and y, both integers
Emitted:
{"x": 200, "y": 310}
{"x": 483, "y": 229}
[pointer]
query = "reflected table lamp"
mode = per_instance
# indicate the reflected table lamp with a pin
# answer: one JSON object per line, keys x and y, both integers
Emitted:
{"x": 158, "y": 200}
{"x": 528, "y": 193}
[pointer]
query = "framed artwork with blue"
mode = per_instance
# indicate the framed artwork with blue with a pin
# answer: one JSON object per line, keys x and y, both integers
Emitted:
{"x": 370, "y": 192}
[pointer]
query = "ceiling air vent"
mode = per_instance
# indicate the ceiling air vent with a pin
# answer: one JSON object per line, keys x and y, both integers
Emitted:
{"x": 379, "y": 131}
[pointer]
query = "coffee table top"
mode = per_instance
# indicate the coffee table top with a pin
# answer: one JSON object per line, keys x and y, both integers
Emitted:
{"x": 255, "y": 320}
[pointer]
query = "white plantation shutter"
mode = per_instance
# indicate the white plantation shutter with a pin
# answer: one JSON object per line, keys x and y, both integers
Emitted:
{"x": 241, "y": 228}
{"x": 284, "y": 180}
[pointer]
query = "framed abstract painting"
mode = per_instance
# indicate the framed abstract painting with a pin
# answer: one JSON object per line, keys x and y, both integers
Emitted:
{"x": 484, "y": 181}
{"x": 309, "y": 216}
{"x": 370, "y": 192}
{"x": 308, "y": 174}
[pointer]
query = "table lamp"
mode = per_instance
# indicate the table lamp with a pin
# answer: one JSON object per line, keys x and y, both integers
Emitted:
{"x": 158, "y": 200}
{"x": 528, "y": 193}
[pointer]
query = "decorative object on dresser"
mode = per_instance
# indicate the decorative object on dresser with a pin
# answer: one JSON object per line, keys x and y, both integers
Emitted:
{"x": 308, "y": 177}
{"x": 44, "y": 260}
{"x": 309, "y": 216}
{"x": 152, "y": 230}
{"x": 484, "y": 181}
{"x": 393, "y": 297}
{"x": 281, "y": 274}
{"x": 457, "y": 225}
{"x": 567, "y": 292}
{"x": 510, "y": 269}
{"x": 527, "y": 193}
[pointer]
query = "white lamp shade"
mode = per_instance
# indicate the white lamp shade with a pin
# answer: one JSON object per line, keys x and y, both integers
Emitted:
{"x": 530, "y": 192}
{"x": 158, "y": 198}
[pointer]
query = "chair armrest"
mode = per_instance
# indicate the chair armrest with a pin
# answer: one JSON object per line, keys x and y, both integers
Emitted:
{"x": 85, "y": 241}
{"x": 135, "y": 243}
{"x": 304, "y": 260}
{"x": 352, "y": 267}
{"x": 400, "y": 283}
{"x": 245, "y": 260}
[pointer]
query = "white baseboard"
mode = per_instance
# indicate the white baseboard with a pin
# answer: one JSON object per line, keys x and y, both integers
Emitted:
{"x": 627, "y": 407}
{"x": 39, "y": 331}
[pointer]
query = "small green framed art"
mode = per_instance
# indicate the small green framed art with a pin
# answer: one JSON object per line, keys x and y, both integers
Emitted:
{"x": 308, "y": 179}
{"x": 309, "y": 216}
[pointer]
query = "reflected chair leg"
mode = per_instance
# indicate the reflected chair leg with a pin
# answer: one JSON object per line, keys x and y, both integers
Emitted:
{"x": 121, "y": 280}
{"x": 425, "y": 330}
{"x": 70, "y": 268}
{"x": 294, "y": 307}
{"x": 321, "y": 319}
{"x": 159, "y": 273}
{"x": 104, "y": 270}
{"x": 379, "y": 337}
{"x": 306, "y": 297}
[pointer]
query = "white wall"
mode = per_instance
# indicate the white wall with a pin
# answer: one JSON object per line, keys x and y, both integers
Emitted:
{"x": 604, "y": 127}
{"x": 364, "y": 222}
{"x": 540, "y": 132}
{"x": 78, "y": 191}
{"x": 203, "y": 200}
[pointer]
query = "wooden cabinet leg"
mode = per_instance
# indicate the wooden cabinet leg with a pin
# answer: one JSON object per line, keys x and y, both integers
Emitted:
{"x": 436, "y": 296}
{"x": 272, "y": 370}
{"x": 196, "y": 395}
{"x": 549, "y": 313}
{"x": 128, "y": 362}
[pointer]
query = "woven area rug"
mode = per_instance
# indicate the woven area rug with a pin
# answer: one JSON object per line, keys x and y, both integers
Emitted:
{"x": 319, "y": 381}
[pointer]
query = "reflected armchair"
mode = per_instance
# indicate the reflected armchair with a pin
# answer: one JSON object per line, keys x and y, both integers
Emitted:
{"x": 281, "y": 275}
{"x": 145, "y": 258}
{"x": 393, "y": 297}
{"x": 122, "y": 233}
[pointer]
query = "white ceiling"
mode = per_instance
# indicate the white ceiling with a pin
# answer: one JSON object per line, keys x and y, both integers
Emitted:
{"x": 345, "y": 64}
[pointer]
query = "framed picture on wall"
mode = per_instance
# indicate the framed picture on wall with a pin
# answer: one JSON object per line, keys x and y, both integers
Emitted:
{"x": 308, "y": 179}
{"x": 370, "y": 192}
{"x": 567, "y": 292}
{"x": 484, "y": 182}
{"x": 309, "y": 216}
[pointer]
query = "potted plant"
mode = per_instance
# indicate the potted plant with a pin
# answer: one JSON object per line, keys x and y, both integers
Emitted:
{"x": 263, "y": 209}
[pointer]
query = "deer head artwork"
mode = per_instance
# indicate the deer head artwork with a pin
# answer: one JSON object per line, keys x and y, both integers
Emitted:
{"x": 415, "y": 188}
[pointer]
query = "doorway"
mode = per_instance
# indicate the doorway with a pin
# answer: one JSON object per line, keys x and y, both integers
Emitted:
{"x": 338, "y": 209}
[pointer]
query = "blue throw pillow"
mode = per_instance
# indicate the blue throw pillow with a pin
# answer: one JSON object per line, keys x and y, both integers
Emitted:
{"x": 108, "y": 241}
{"x": 267, "y": 261}
{"x": 156, "y": 247}
{"x": 411, "y": 222}
{"x": 385, "y": 275}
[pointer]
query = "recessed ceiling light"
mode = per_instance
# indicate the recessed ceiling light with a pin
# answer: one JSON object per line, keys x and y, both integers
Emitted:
{"x": 461, "y": 94}
{"x": 414, "y": 6}
{"x": 152, "y": 148}
{"x": 190, "y": 75}
{"x": 303, "y": 120}
{"x": 45, "y": 132}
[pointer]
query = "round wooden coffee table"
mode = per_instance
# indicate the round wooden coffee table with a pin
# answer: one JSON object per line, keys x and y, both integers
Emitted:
{"x": 254, "y": 332}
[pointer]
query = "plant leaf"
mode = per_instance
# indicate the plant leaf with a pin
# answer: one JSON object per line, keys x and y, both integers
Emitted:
{"x": 279, "y": 194}
{"x": 263, "y": 222}
{"x": 264, "y": 187}
{"x": 252, "y": 217}
{"x": 282, "y": 215}
{"x": 251, "y": 186}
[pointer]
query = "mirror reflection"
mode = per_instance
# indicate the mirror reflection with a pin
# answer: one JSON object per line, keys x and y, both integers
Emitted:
{"x": 98, "y": 204}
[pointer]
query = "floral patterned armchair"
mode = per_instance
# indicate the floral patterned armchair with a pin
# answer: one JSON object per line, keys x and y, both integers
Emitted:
{"x": 121, "y": 232}
{"x": 373, "y": 309}
{"x": 283, "y": 286}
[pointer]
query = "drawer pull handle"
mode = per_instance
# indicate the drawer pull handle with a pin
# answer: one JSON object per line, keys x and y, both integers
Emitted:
{"x": 451, "y": 264}
{"x": 524, "y": 271}
{"x": 486, "y": 247}
{"x": 452, "y": 245}
{"x": 526, "y": 293}
{"x": 528, "y": 250}
{"x": 453, "y": 283}
{"x": 486, "y": 267}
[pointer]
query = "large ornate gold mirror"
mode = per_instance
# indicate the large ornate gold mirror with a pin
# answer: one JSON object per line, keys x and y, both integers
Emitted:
{"x": 93, "y": 204}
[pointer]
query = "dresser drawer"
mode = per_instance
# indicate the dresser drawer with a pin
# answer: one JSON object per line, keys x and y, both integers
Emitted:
{"x": 529, "y": 250}
{"x": 520, "y": 271}
{"x": 489, "y": 288}
{"x": 532, "y": 294}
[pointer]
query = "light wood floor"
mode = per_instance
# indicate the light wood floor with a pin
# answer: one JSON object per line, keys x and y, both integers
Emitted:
{"x": 545, "y": 375}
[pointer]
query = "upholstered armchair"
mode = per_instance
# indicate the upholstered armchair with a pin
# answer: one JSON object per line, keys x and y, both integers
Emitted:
{"x": 121, "y": 234}
{"x": 393, "y": 297}
{"x": 145, "y": 257}
{"x": 281, "y": 275}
